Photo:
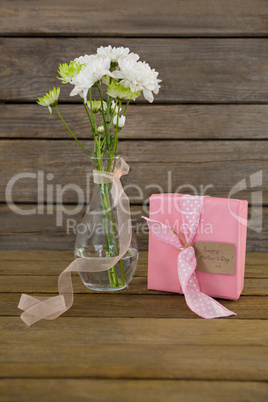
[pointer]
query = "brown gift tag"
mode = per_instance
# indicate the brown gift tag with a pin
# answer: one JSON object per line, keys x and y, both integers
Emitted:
{"x": 216, "y": 258}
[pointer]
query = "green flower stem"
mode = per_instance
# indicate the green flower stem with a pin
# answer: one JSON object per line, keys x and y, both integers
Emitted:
{"x": 84, "y": 149}
{"x": 108, "y": 217}
{"x": 93, "y": 115}
{"x": 124, "y": 112}
{"x": 104, "y": 189}
{"x": 111, "y": 280}
{"x": 90, "y": 97}
{"x": 108, "y": 109}
{"x": 116, "y": 249}
{"x": 102, "y": 143}
{"x": 93, "y": 126}
{"x": 114, "y": 151}
{"x": 109, "y": 101}
{"x": 115, "y": 107}
{"x": 104, "y": 120}
{"x": 122, "y": 273}
{"x": 97, "y": 151}
{"x": 112, "y": 277}
{"x": 90, "y": 118}
{"x": 108, "y": 206}
{"x": 108, "y": 245}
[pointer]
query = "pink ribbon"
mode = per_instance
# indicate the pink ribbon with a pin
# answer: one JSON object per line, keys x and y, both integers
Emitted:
{"x": 36, "y": 308}
{"x": 198, "y": 302}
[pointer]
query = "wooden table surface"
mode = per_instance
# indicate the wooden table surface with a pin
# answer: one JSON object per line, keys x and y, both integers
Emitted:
{"x": 136, "y": 345}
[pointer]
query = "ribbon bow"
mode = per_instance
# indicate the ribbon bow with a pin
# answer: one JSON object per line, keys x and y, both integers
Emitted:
{"x": 36, "y": 308}
{"x": 198, "y": 302}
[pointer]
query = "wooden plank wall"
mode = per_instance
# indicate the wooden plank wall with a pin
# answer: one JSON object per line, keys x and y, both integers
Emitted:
{"x": 208, "y": 125}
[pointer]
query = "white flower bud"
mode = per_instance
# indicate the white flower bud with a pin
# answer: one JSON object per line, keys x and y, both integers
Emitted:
{"x": 100, "y": 130}
{"x": 121, "y": 121}
{"x": 117, "y": 110}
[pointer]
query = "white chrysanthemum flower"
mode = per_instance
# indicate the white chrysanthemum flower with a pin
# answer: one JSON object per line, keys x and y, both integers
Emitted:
{"x": 117, "y": 53}
{"x": 113, "y": 106}
{"x": 69, "y": 71}
{"x": 121, "y": 121}
{"x": 93, "y": 72}
{"x": 87, "y": 58}
{"x": 138, "y": 76}
{"x": 50, "y": 99}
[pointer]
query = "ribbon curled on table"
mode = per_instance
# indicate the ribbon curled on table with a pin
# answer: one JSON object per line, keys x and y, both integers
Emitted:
{"x": 198, "y": 302}
{"x": 49, "y": 308}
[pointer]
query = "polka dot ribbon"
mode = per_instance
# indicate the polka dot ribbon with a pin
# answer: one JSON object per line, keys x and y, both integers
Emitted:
{"x": 198, "y": 302}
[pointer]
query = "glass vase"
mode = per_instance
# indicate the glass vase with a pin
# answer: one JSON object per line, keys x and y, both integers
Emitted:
{"x": 99, "y": 237}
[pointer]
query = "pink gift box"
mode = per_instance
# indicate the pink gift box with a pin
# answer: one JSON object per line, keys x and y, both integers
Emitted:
{"x": 222, "y": 221}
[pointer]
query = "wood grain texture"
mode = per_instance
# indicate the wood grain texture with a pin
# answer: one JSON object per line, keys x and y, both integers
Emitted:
{"x": 34, "y": 263}
{"x": 252, "y": 259}
{"x": 69, "y": 390}
{"x": 154, "y": 331}
{"x": 48, "y": 284}
{"x": 75, "y": 347}
{"x": 207, "y": 167}
{"x": 142, "y": 18}
{"x": 99, "y": 329}
{"x": 138, "y": 285}
{"x": 141, "y": 306}
{"x": 143, "y": 122}
{"x": 119, "y": 339}
{"x": 71, "y": 360}
{"x": 192, "y": 70}
{"x": 138, "y": 344}
{"x": 39, "y": 231}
